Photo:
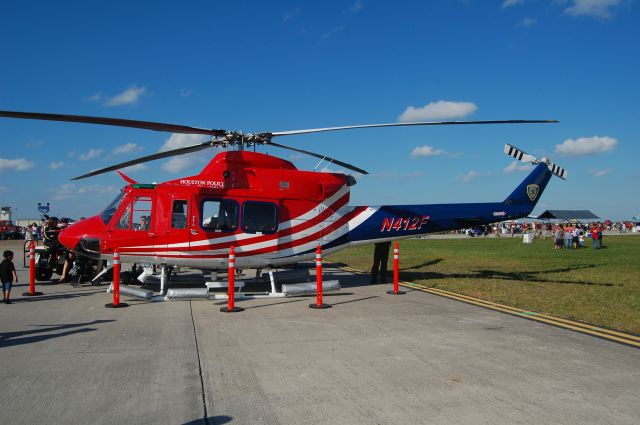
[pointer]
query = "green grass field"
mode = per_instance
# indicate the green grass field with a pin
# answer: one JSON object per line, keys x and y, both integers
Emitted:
{"x": 600, "y": 287}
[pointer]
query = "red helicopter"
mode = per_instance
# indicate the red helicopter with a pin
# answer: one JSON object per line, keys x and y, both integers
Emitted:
{"x": 271, "y": 212}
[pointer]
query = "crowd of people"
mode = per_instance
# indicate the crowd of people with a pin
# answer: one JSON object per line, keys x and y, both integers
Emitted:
{"x": 568, "y": 235}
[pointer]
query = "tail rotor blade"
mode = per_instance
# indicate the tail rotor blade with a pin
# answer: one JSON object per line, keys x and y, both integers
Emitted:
{"x": 558, "y": 171}
{"x": 519, "y": 154}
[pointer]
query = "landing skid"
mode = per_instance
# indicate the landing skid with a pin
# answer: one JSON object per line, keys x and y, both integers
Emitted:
{"x": 264, "y": 285}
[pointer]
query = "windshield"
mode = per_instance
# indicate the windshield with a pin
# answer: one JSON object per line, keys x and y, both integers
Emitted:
{"x": 111, "y": 208}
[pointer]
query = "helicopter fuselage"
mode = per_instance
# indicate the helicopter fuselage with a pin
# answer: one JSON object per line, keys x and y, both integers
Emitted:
{"x": 272, "y": 213}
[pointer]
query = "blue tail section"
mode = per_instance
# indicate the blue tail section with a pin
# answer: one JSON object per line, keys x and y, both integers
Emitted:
{"x": 529, "y": 191}
{"x": 392, "y": 222}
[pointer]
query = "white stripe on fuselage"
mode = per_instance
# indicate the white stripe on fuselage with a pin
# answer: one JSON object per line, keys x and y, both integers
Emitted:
{"x": 311, "y": 213}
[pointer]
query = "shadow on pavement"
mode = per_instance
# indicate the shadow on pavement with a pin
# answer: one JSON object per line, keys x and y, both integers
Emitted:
{"x": 56, "y": 296}
{"x": 10, "y": 339}
{"x": 211, "y": 420}
{"x": 356, "y": 300}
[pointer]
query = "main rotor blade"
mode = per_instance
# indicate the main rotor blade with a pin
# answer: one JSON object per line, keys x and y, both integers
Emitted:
{"x": 159, "y": 155}
{"x": 407, "y": 124}
{"x": 118, "y": 122}
{"x": 328, "y": 158}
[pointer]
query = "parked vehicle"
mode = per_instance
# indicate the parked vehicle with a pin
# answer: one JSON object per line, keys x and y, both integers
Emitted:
{"x": 8, "y": 230}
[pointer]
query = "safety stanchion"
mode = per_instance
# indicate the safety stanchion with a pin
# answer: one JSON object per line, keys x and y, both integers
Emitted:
{"x": 318, "y": 304}
{"x": 396, "y": 270}
{"x": 116, "y": 283}
{"x": 32, "y": 271}
{"x": 231, "y": 308}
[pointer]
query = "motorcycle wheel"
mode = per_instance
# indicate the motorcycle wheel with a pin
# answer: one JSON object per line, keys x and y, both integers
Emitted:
{"x": 98, "y": 281}
{"x": 43, "y": 274}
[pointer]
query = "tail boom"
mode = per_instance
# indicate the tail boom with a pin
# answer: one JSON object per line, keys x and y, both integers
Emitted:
{"x": 393, "y": 222}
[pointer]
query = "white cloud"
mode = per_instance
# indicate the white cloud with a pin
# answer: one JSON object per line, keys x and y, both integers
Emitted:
{"x": 4, "y": 189}
{"x": 426, "y": 151}
{"x": 72, "y": 191}
{"x": 185, "y": 92}
{"x": 288, "y": 15}
{"x": 97, "y": 97}
{"x": 92, "y": 154}
{"x": 472, "y": 175}
{"x": 178, "y": 140}
{"x": 64, "y": 191}
{"x": 518, "y": 166}
{"x": 56, "y": 165}
{"x": 600, "y": 173}
{"x": 510, "y": 3}
{"x": 586, "y": 146}
{"x": 18, "y": 164}
{"x": 355, "y": 7}
{"x": 528, "y": 22}
{"x": 35, "y": 144}
{"x": 182, "y": 162}
{"x": 595, "y": 8}
{"x": 127, "y": 97}
{"x": 134, "y": 168}
{"x": 97, "y": 189}
{"x": 126, "y": 148}
{"x": 442, "y": 109}
{"x": 332, "y": 32}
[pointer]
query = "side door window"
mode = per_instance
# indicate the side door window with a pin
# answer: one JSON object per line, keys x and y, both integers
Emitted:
{"x": 259, "y": 217}
{"x": 179, "y": 214}
{"x": 219, "y": 215}
{"x": 142, "y": 214}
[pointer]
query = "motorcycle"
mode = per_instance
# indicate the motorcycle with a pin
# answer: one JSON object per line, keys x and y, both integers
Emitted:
{"x": 82, "y": 269}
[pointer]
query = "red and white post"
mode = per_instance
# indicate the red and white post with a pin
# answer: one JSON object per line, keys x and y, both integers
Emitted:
{"x": 32, "y": 271}
{"x": 116, "y": 283}
{"x": 231, "y": 308}
{"x": 319, "y": 304}
{"x": 396, "y": 270}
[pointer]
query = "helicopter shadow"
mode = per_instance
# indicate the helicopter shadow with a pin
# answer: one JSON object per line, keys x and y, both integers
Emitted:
{"x": 11, "y": 339}
{"x": 528, "y": 276}
{"x": 425, "y": 264}
{"x": 57, "y": 296}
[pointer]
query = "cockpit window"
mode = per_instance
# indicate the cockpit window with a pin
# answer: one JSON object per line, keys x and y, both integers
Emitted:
{"x": 111, "y": 209}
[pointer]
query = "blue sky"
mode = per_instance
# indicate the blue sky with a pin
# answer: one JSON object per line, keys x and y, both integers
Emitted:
{"x": 284, "y": 65}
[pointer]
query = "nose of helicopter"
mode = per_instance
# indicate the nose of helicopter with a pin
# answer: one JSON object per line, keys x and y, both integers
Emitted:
{"x": 83, "y": 237}
{"x": 69, "y": 238}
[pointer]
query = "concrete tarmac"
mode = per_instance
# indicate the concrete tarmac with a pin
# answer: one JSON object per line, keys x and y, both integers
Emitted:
{"x": 372, "y": 358}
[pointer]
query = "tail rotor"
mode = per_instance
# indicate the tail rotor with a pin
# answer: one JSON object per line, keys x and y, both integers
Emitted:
{"x": 520, "y": 155}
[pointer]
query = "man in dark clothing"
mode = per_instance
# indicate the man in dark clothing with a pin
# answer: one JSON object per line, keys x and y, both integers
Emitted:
{"x": 50, "y": 236}
{"x": 7, "y": 275}
{"x": 380, "y": 258}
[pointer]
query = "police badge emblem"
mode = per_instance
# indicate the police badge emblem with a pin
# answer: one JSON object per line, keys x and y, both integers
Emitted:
{"x": 532, "y": 191}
